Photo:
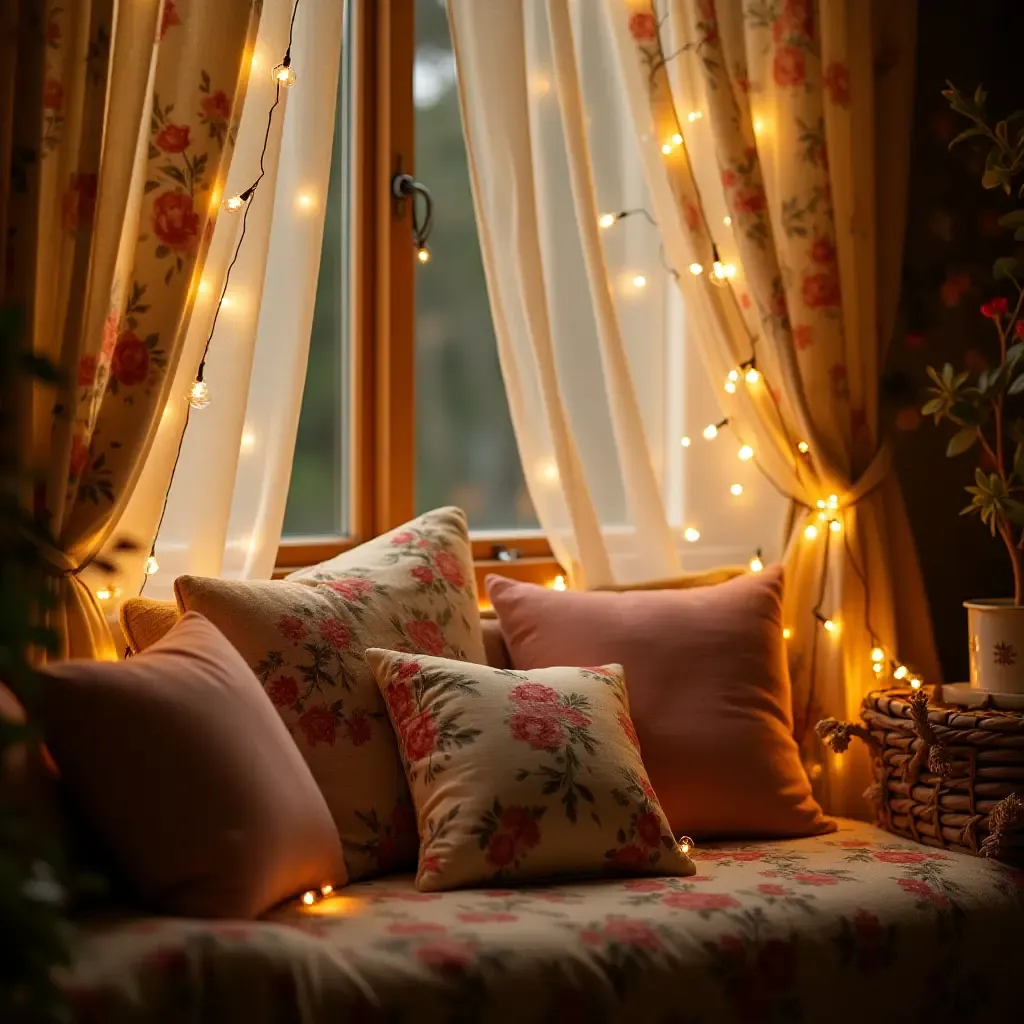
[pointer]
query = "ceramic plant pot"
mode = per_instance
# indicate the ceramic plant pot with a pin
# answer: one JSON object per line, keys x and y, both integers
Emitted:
{"x": 995, "y": 631}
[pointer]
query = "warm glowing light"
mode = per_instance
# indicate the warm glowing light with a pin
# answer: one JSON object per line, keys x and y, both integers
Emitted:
{"x": 606, "y": 220}
{"x": 309, "y": 898}
{"x": 694, "y": 115}
{"x": 549, "y": 471}
{"x": 877, "y": 655}
{"x": 284, "y": 76}
{"x": 786, "y": 633}
{"x": 666, "y": 148}
{"x": 901, "y": 672}
{"x": 558, "y": 583}
{"x": 803, "y": 447}
{"x": 151, "y": 566}
{"x": 758, "y": 126}
{"x": 810, "y": 531}
{"x": 227, "y": 302}
{"x": 199, "y": 394}
{"x": 685, "y": 442}
{"x": 745, "y": 454}
{"x": 104, "y": 593}
{"x": 204, "y": 286}
{"x": 691, "y": 534}
{"x": 326, "y": 890}
{"x": 831, "y": 626}
{"x": 736, "y": 490}
{"x": 696, "y": 269}
{"x": 248, "y": 440}
{"x": 685, "y": 844}
{"x": 721, "y": 272}
{"x": 233, "y": 204}
{"x": 711, "y": 432}
{"x": 727, "y": 221}
{"x": 752, "y": 376}
{"x": 755, "y": 564}
{"x": 915, "y": 683}
{"x": 876, "y": 668}
{"x": 540, "y": 84}
{"x": 639, "y": 281}
{"x": 835, "y": 526}
{"x": 423, "y": 254}
{"x": 677, "y": 139}
{"x": 305, "y": 201}
{"x": 733, "y": 375}
{"x": 730, "y": 387}
{"x": 833, "y": 501}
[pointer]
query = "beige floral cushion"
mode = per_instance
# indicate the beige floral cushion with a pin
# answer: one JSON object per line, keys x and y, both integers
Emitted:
{"x": 304, "y": 637}
{"x": 523, "y": 775}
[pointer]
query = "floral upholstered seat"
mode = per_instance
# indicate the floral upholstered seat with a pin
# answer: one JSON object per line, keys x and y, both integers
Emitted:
{"x": 852, "y": 926}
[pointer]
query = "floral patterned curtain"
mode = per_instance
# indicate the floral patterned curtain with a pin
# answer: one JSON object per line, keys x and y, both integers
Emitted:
{"x": 776, "y": 139}
{"x": 124, "y": 117}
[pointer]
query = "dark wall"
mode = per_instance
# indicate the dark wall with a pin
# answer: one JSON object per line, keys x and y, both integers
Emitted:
{"x": 952, "y": 239}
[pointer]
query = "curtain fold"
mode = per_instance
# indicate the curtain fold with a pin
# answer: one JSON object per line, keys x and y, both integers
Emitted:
{"x": 226, "y": 505}
{"x": 771, "y": 139}
{"x": 120, "y": 138}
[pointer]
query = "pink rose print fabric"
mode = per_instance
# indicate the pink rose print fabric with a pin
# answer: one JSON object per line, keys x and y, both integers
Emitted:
{"x": 519, "y": 775}
{"x": 304, "y": 637}
{"x": 745, "y": 940}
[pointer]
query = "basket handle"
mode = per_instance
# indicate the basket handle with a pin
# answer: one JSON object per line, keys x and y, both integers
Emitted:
{"x": 931, "y": 752}
{"x": 836, "y": 735}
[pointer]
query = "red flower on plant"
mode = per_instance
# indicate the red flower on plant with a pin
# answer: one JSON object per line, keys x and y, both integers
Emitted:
{"x": 169, "y": 19}
{"x": 426, "y": 635}
{"x": 821, "y": 289}
{"x": 79, "y": 456}
{"x": 700, "y": 901}
{"x": 788, "y": 68}
{"x": 628, "y": 729}
{"x": 423, "y": 574}
{"x": 994, "y": 308}
{"x": 175, "y": 221}
{"x": 400, "y": 701}
{"x": 173, "y": 139}
{"x": 900, "y": 857}
{"x": 130, "y": 364}
{"x": 629, "y": 857}
{"x": 357, "y": 725}
{"x": 86, "y": 371}
{"x": 803, "y": 336}
{"x": 79, "y": 203}
{"x": 501, "y": 850}
{"x": 643, "y": 27}
{"x": 815, "y": 878}
{"x": 823, "y": 250}
{"x": 632, "y": 933}
{"x": 541, "y": 732}
{"x": 319, "y": 725}
{"x": 53, "y": 95}
{"x": 336, "y": 633}
{"x": 750, "y": 199}
{"x": 419, "y": 735}
{"x": 1018, "y": 328}
{"x": 217, "y": 106}
{"x": 350, "y": 589}
{"x": 283, "y": 691}
{"x": 534, "y": 693}
{"x": 648, "y": 828}
{"x": 837, "y": 83}
{"x": 522, "y": 825}
{"x": 918, "y": 888}
{"x": 404, "y": 537}
{"x": 450, "y": 568}
{"x": 292, "y": 627}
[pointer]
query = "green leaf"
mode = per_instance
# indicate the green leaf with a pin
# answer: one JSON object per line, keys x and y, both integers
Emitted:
{"x": 1004, "y": 268}
{"x": 1013, "y": 219}
{"x": 1017, "y": 386}
{"x": 1013, "y": 353}
{"x": 961, "y": 441}
{"x": 932, "y": 407}
{"x": 992, "y": 179}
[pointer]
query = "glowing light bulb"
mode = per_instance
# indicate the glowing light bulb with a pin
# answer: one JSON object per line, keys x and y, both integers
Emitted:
{"x": 677, "y": 139}
{"x": 835, "y": 526}
{"x": 104, "y": 593}
{"x": 691, "y": 534}
{"x": 877, "y": 655}
{"x": 309, "y": 898}
{"x": 786, "y": 633}
{"x": 752, "y": 376}
{"x": 810, "y": 531}
{"x": 423, "y": 254}
{"x": 901, "y": 672}
{"x": 730, "y": 387}
{"x": 151, "y": 566}
{"x": 606, "y": 220}
{"x": 831, "y": 626}
{"x": 639, "y": 281}
{"x": 685, "y": 844}
{"x": 204, "y": 287}
{"x": 549, "y": 471}
{"x": 876, "y": 668}
{"x": 733, "y": 375}
{"x": 666, "y": 148}
{"x": 248, "y": 441}
{"x": 199, "y": 394}
{"x": 696, "y": 269}
{"x": 305, "y": 201}
{"x": 745, "y": 454}
{"x": 711, "y": 432}
{"x": 283, "y": 76}
{"x": 915, "y": 683}
{"x": 803, "y": 447}
{"x": 736, "y": 490}
{"x": 694, "y": 115}
{"x": 833, "y": 501}
{"x": 758, "y": 126}
{"x": 558, "y": 583}
{"x": 755, "y": 564}
{"x": 326, "y": 890}
{"x": 685, "y": 442}
{"x": 233, "y": 204}
{"x": 727, "y": 221}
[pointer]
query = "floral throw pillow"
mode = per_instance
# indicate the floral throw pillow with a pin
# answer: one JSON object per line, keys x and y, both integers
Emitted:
{"x": 523, "y": 775}
{"x": 412, "y": 589}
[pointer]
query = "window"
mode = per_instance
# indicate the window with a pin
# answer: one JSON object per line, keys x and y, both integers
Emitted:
{"x": 378, "y": 444}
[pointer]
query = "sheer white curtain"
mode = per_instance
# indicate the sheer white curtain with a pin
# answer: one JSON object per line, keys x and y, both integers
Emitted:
{"x": 597, "y": 355}
{"x": 228, "y": 498}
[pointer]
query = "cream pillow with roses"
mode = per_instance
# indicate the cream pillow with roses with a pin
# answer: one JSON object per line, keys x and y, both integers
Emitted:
{"x": 523, "y": 775}
{"x": 412, "y": 589}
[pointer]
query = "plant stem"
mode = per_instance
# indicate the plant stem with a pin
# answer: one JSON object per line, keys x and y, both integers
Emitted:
{"x": 1016, "y": 560}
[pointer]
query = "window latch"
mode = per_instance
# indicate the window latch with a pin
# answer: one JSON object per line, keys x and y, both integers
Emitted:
{"x": 403, "y": 187}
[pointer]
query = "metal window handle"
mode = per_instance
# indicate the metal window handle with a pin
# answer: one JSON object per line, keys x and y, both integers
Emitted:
{"x": 404, "y": 186}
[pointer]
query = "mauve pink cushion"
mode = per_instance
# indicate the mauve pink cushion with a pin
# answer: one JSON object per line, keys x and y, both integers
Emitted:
{"x": 187, "y": 776}
{"x": 708, "y": 689}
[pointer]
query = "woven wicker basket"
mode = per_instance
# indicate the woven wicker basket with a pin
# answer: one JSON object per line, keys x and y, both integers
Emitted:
{"x": 944, "y": 776}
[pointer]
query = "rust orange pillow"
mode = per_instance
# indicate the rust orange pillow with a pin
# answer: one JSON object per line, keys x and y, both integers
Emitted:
{"x": 709, "y": 692}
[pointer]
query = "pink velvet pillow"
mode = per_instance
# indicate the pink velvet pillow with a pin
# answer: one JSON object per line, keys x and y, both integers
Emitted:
{"x": 186, "y": 774}
{"x": 708, "y": 689}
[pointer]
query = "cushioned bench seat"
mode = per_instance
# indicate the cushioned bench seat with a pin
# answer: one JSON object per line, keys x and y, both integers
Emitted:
{"x": 855, "y": 925}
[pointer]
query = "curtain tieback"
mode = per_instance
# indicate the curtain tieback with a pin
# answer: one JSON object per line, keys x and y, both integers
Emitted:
{"x": 872, "y": 477}
{"x": 59, "y": 563}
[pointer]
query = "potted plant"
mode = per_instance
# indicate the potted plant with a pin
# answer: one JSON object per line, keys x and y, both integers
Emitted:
{"x": 987, "y": 414}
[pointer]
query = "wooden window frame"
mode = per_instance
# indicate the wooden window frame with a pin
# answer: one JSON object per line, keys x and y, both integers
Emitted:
{"x": 382, "y": 448}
